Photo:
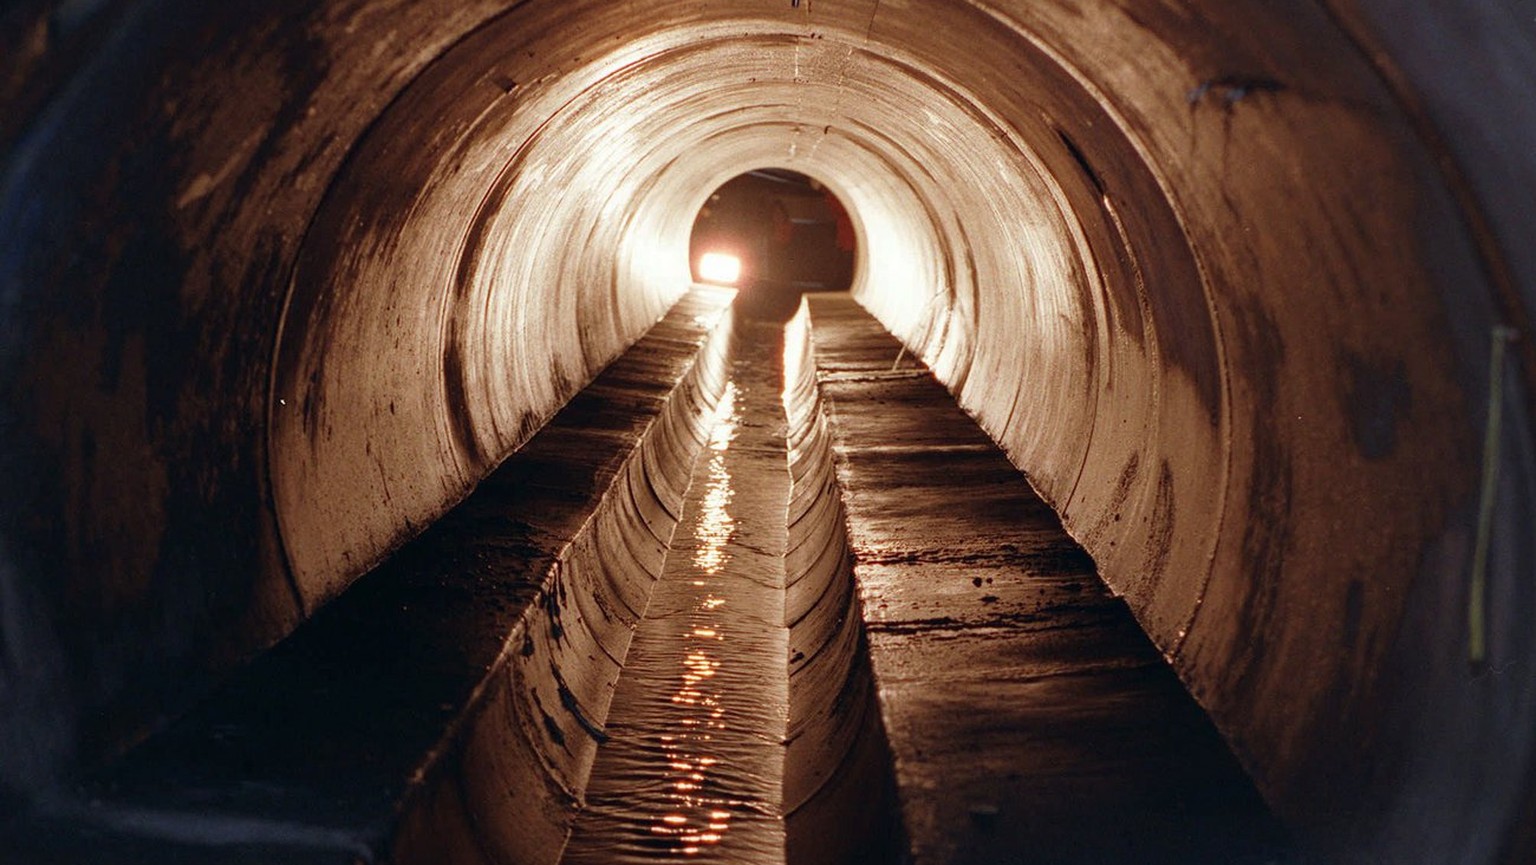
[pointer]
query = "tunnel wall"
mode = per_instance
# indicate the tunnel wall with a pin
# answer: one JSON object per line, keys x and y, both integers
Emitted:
{"x": 1283, "y": 446}
{"x": 282, "y": 283}
{"x": 1462, "y": 74}
{"x": 167, "y": 190}
{"x": 152, "y": 212}
{"x": 492, "y": 319}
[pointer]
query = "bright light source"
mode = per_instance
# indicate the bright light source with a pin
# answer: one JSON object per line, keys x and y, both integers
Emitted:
{"x": 717, "y": 267}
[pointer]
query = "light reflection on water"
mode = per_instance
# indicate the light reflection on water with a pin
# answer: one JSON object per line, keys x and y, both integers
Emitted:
{"x": 714, "y": 526}
{"x": 693, "y": 769}
{"x": 692, "y": 818}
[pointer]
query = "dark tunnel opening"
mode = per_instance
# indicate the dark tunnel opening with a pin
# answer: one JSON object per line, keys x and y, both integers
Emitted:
{"x": 774, "y": 234}
{"x": 1242, "y": 289}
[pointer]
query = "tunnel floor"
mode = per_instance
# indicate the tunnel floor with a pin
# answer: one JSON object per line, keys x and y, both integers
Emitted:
{"x": 762, "y": 592}
{"x": 1028, "y": 717}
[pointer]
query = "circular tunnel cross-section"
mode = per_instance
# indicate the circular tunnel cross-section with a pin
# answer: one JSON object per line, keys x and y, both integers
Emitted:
{"x": 1242, "y": 287}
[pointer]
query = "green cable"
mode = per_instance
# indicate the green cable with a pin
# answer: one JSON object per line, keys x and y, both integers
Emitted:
{"x": 1477, "y": 600}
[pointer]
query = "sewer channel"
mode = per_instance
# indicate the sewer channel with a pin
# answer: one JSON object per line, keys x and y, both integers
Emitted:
{"x": 694, "y": 762}
{"x": 1020, "y": 711}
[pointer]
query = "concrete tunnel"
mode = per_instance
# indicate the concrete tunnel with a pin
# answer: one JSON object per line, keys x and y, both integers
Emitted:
{"x": 1242, "y": 287}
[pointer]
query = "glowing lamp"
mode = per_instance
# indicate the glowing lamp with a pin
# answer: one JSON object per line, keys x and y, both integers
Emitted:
{"x": 719, "y": 268}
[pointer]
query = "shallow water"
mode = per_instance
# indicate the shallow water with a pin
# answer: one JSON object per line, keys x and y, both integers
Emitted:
{"x": 693, "y": 766}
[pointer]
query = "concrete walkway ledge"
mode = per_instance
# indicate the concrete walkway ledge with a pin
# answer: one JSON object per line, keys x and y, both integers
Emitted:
{"x": 446, "y": 708}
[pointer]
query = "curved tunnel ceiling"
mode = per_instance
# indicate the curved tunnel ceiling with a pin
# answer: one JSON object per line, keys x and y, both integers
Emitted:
{"x": 1200, "y": 271}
